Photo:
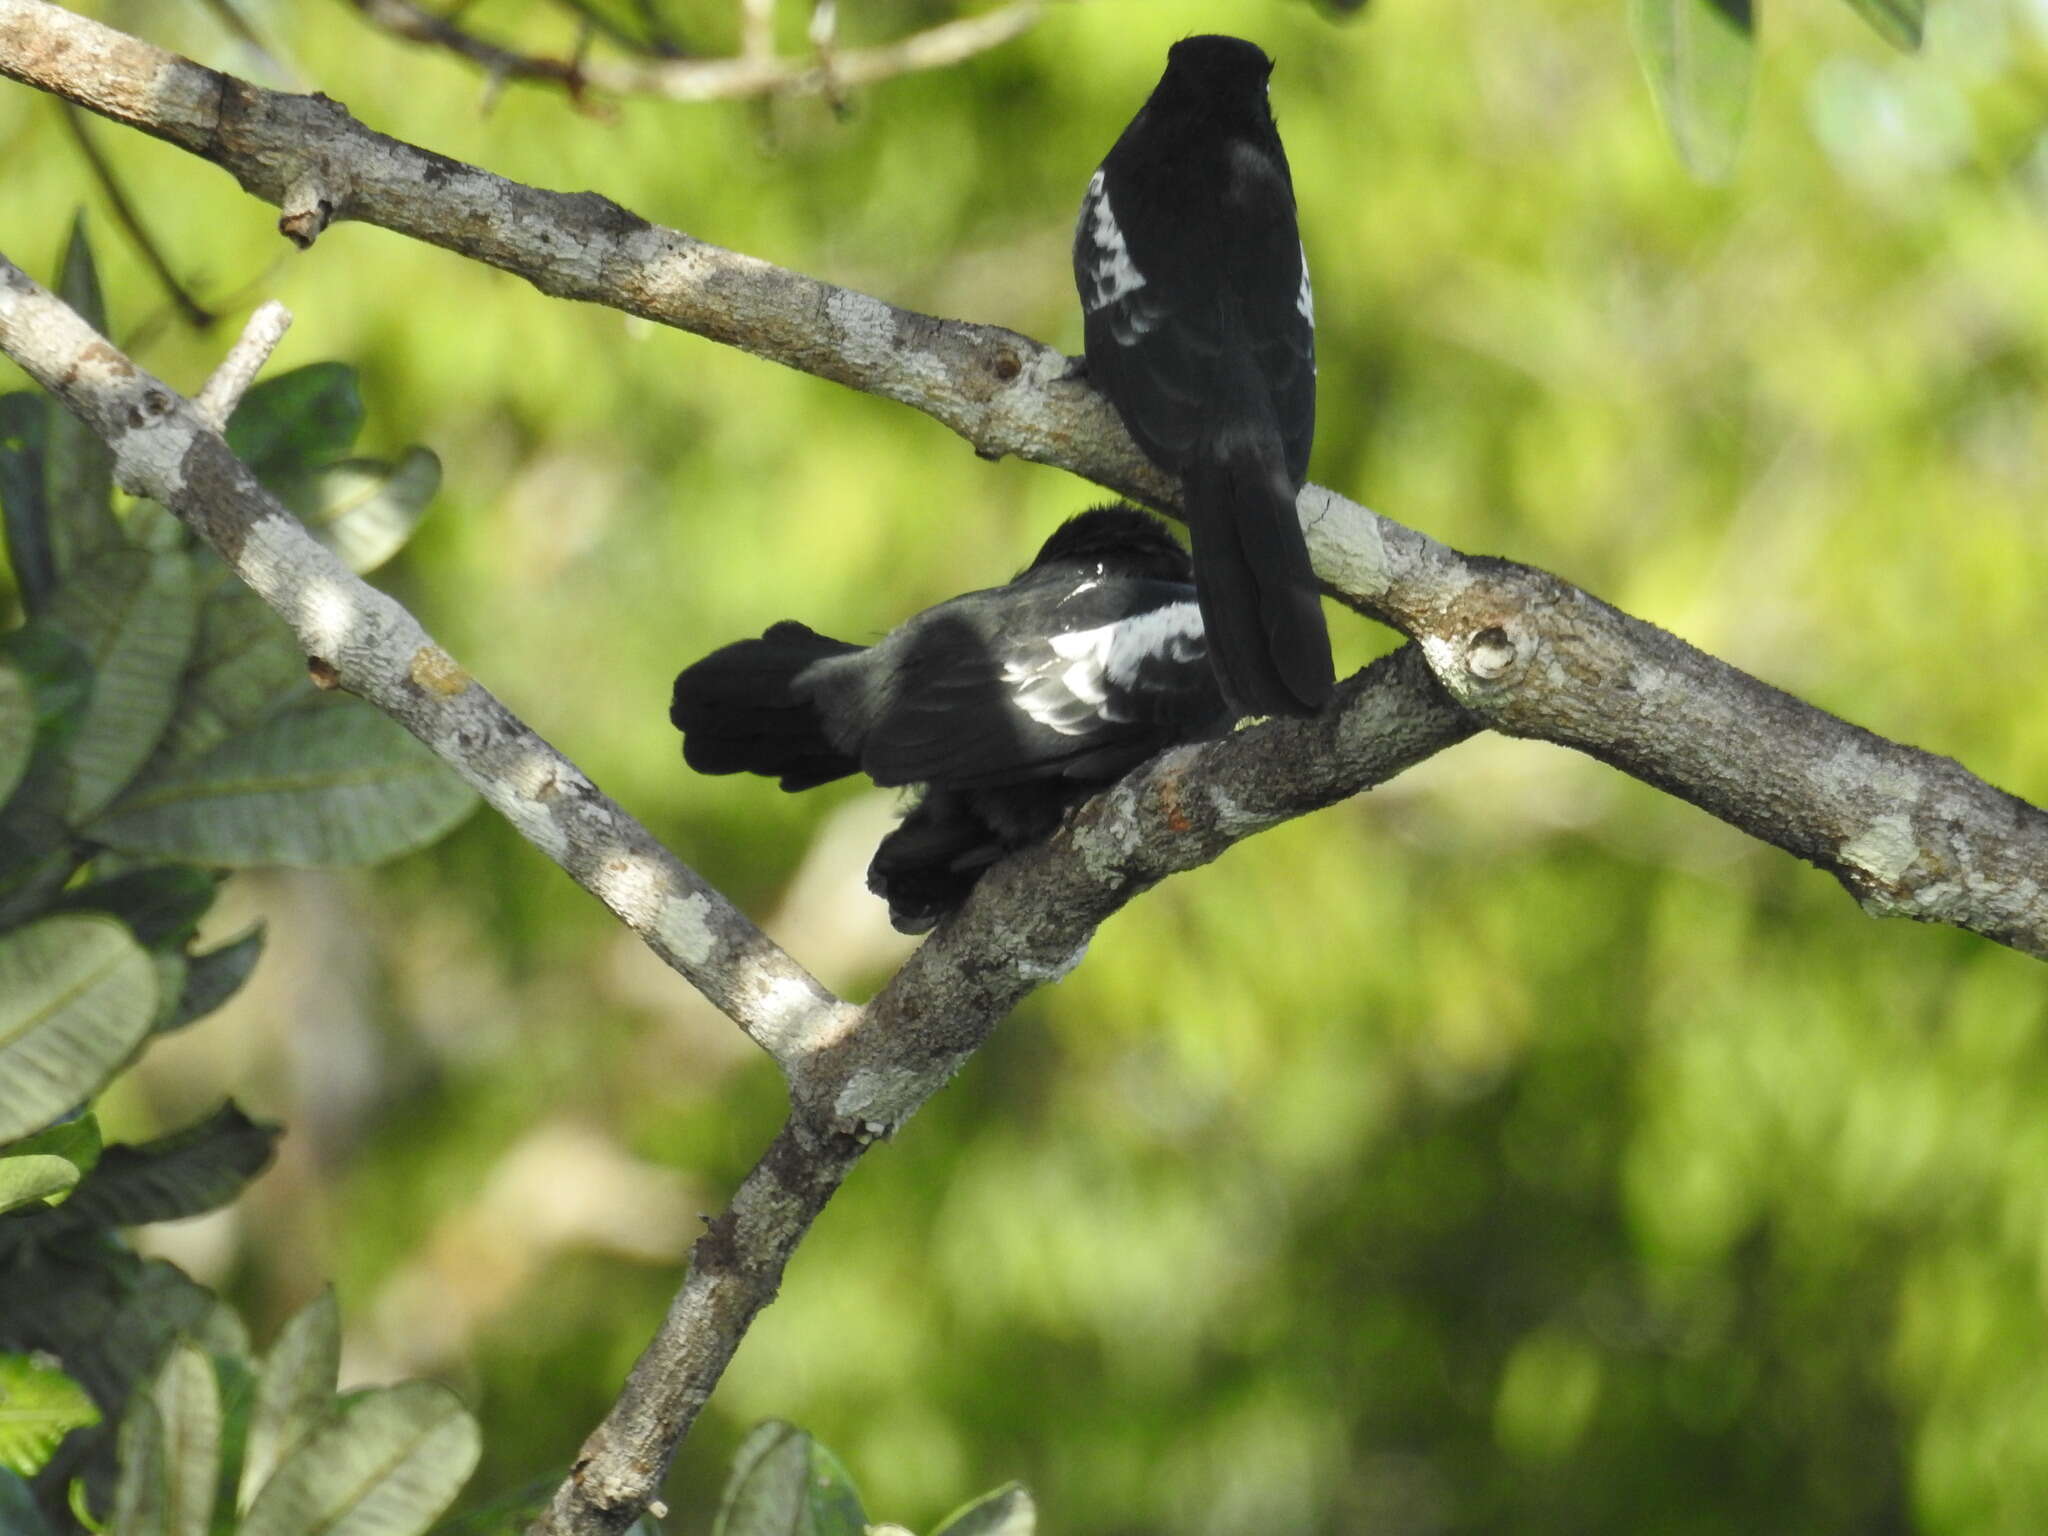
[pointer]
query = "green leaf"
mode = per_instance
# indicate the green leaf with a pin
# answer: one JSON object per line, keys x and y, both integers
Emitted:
{"x": 33, "y": 1178}
{"x": 135, "y": 614}
{"x": 59, "y": 675}
{"x": 214, "y": 977}
{"x": 292, "y": 1392}
{"x": 78, "y": 280}
{"x": 37, "y": 854}
{"x": 784, "y": 1483}
{"x": 1899, "y": 22}
{"x": 186, "y": 1173}
{"x": 1009, "y": 1511}
{"x": 1699, "y": 57}
{"x": 19, "y": 1515}
{"x": 364, "y": 509}
{"x": 17, "y": 727}
{"x": 246, "y": 665}
{"x": 78, "y": 469}
{"x": 24, "y": 437}
{"x": 76, "y": 997}
{"x": 142, "y": 1496}
{"x": 77, "y": 1141}
{"x": 297, "y": 420}
{"x": 161, "y": 905}
{"x": 187, "y": 1395}
{"x": 383, "y": 1464}
{"x": 39, "y": 1406}
{"x": 332, "y": 783}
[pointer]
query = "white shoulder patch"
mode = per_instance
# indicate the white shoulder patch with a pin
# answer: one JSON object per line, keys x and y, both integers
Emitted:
{"x": 1305, "y": 300}
{"x": 1173, "y": 633}
{"x": 1111, "y": 272}
{"x": 1075, "y": 688}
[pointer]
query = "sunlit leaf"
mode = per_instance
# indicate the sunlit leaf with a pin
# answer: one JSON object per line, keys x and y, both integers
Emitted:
{"x": 1899, "y": 22}
{"x": 292, "y": 1392}
{"x": 1009, "y": 1511}
{"x": 365, "y": 509}
{"x": 76, "y": 996}
{"x": 76, "y": 1140}
{"x": 332, "y": 783}
{"x": 784, "y": 1483}
{"x": 297, "y": 420}
{"x": 39, "y": 1406}
{"x": 1699, "y": 57}
{"x": 32, "y": 1179}
{"x": 384, "y": 1464}
{"x": 214, "y": 977}
{"x": 135, "y": 615}
{"x": 188, "y": 1397}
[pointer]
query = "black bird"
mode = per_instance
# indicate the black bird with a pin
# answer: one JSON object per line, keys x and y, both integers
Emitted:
{"x": 1201, "y": 331}
{"x": 1008, "y": 705}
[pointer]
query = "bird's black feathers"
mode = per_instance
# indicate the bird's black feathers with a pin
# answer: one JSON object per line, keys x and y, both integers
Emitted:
{"x": 1009, "y": 705}
{"x": 1200, "y": 328}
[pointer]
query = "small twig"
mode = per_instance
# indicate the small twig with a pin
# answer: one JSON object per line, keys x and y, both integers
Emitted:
{"x": 216, "y": 402}
{"x": 196, "y": 314}
{"x": 596, "y": 20}
{"x": 757, "y": 70}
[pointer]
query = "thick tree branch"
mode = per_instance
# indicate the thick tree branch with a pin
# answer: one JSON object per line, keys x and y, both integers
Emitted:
{"x": 164, "y": 448}
{"x": 1905, "y": 832}
{"x": 851, "y": 1077}
{"x": 1497, "y": 645}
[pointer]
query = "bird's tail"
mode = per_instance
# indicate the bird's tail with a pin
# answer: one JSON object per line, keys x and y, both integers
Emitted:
{"x": 741, "y": 710}
{"x": 1267, "y": 638}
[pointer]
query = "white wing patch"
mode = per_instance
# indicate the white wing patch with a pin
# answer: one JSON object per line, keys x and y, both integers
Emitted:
{"x": 1305, "y": 300}
{"x": 1111, "y": 272}
{"x": 1070, "y": 690}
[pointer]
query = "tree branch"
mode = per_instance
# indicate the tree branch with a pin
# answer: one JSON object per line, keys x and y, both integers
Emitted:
{"x": 1907, "y": 833}
{"x": 851, "y": 1076}
{"x": 757, "y": 71}
{"x": 1498, "y": 645}
{"x": 164, "y": 448}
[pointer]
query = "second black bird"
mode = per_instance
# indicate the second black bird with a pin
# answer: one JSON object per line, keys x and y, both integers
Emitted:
{"x": 1201, "y": 331}
{"x": 1008, "y": 705}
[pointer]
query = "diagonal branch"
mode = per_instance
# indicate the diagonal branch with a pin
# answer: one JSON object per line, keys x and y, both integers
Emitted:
{"x": 1907, "y": 833}
{"x": 165, "y": 448}
{"x": 851, "y": 1076}
{"x": 1497, "y": 645}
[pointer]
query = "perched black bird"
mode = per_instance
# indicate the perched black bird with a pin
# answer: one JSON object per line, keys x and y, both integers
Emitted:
{"x": 1008, "y": 705}
{"x": 1201, "y": 330}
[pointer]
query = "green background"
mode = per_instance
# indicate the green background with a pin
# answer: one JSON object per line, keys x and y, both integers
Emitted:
{"x": 1514, "y": 1148}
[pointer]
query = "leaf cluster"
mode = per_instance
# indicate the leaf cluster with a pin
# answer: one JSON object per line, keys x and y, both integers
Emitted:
{"x": 158, "y": 729}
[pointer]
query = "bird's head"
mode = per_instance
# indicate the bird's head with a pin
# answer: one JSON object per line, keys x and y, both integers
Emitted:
{"x": 1121, "y": 539}
{"x": 1214, "y": 67}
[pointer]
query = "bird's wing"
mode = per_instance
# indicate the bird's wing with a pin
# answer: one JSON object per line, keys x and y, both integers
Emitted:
{"x": 1088, "y": 696}
{"x": 1184, "y": 330}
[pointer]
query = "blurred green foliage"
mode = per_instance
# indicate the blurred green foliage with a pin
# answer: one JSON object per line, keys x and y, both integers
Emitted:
{"x": 1513, "y": 1149}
